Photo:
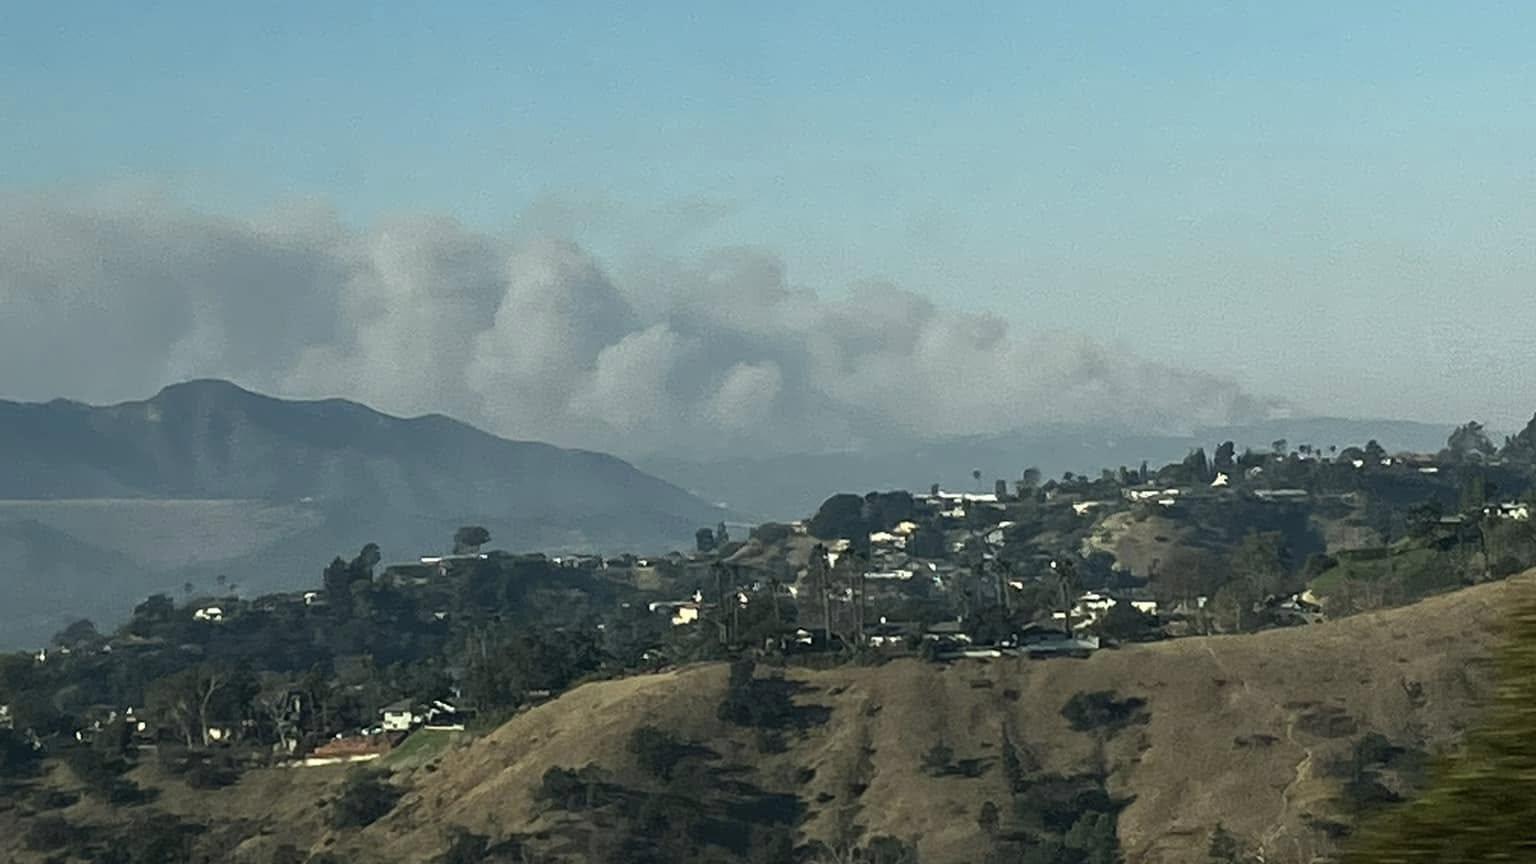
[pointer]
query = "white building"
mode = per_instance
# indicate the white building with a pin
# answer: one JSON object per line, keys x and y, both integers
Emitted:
{"x": 1516, "y": 510}
{"x": 209, "y": 613}
{"x": 400, "y": 716}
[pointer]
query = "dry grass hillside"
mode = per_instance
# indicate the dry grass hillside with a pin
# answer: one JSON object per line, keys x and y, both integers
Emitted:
{"x": 1246, "y": 731}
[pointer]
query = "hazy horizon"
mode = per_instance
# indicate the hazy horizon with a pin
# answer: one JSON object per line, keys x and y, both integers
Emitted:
{"x": 696, "y": 228}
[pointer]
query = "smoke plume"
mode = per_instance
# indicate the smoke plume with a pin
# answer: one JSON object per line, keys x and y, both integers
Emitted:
{"x": 533, "y": 338}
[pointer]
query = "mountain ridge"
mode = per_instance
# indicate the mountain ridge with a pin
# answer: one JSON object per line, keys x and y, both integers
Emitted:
{"x": 342, "y": 473}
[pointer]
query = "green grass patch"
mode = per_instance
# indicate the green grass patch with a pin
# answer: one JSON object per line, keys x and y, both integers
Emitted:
{"x": 419, "y": 748}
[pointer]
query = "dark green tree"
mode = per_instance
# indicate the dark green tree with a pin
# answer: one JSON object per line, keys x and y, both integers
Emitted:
{"x": 468, "y": 539}
{"x": 1469, "y": 442}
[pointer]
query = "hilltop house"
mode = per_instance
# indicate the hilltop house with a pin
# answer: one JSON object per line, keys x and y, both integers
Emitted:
{"x": 406, "y": 715}
{"x": 682, "y": 611}
{"x": 402, "y": 716}
{"x": 1516, "y": 510}
{"x": 208, "y": 613}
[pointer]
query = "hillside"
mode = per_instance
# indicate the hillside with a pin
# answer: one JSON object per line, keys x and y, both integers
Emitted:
{"x": 1253, "y": 732}
{"x": 50, "y": 575}
{"x": 786, "y": 486}
{"x": 207, "y": 479}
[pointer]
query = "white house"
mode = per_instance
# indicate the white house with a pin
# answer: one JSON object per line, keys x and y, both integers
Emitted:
{"x": 209, "y": 613}
{"x": 1083, "y": 508}
{"x": 1281, "y": 494}
{"x": 888, "y": 575}
{"x": 401, "y": 716}
{"x": 6, "y": 721}
{"x": 1516, "y": 510}
{"x": 1221, "y": 480}
{"x": 1149, "y": 494}
{"x": 682, "y": 611}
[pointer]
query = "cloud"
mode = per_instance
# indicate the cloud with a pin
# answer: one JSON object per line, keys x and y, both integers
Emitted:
{"x": 533, "y": 338}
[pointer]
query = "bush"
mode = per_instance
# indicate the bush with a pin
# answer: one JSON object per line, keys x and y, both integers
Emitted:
{"x": 756, "y": 702}
{"x": 656, "y": 751}
{"x": 938, "y": 760}
{"x": 989, "y": 818}
{"x": 1101, "y": 710}
{"x": 365, "y": 798}
{"x": 1125, "y": 623}
{"x": 564, "y": 789}
{"x": 47, "y": 833}
{"x": 17, "y": 756}
{"x": 213, "y": 771}
{"x": 465, "y": 848}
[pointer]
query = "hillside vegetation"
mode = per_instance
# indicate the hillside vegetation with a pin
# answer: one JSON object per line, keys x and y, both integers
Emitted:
{"x": 1274, "y": 743}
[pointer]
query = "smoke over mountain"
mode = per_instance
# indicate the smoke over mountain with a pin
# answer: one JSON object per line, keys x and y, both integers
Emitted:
{"x": 533, "y": 338}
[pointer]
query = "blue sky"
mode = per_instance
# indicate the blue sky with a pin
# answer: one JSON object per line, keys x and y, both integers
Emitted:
{"x": 1331, "y": 203}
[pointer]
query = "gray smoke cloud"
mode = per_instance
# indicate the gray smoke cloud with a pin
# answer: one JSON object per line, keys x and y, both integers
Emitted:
{"x": 532, "y": 338}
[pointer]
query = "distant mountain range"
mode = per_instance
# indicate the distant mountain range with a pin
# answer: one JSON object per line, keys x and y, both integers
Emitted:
{"x": 208, "y": 480}
{"x": 791, "y": 486}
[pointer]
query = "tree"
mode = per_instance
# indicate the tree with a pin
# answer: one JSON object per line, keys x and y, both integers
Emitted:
{"x": 1226, "y": 456}
{"x": 157, "y": 608}
{"x": 1521, "y": 447}
{"x": 1031, "y": 477}
{"x": 704, "y": 540}
{"x": 1196, "y": 468}
{"x": 1261, "y": 562}
{"x": 361, "y": 567}
{"x": 976, "y": 475}
{"x": 1278, "y": 446}
{"x": 926, "y": 542}
{"x": 468, "y": 539}
{"x": 195, "y": 700}
{"x": 1469, "y": 442}
{"x": 1125, "y": 623}
{"x": 722, "y": 536}
{"x": 840, "y": 517}
{"x": 1375, "y": 454}
{"x": 81, "y": 633}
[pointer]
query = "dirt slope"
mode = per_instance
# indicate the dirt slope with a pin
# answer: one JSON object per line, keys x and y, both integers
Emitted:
{"x": 1246, "y": 731}
{"x": 1297, "y": 699}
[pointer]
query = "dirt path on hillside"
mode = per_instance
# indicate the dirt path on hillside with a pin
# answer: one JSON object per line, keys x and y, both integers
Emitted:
{"x": 1303, "y": 767}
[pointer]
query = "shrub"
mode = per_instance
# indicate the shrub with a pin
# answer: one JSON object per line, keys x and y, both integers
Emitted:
{"x": 656, "y": 751}
{"x": 47, "y": 833}
{"x": 1101, "y": 710}
{"x": 365, "y": 798}
{"x": 465, "y": 848}
{"x": 564, "y": 789}
{"x": 213, "y": 771}
{"x": 939, "y": 759}
{"x": 988, "y": 819}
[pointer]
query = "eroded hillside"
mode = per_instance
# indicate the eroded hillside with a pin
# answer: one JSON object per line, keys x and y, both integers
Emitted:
{"x": 1261, "y": 734}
